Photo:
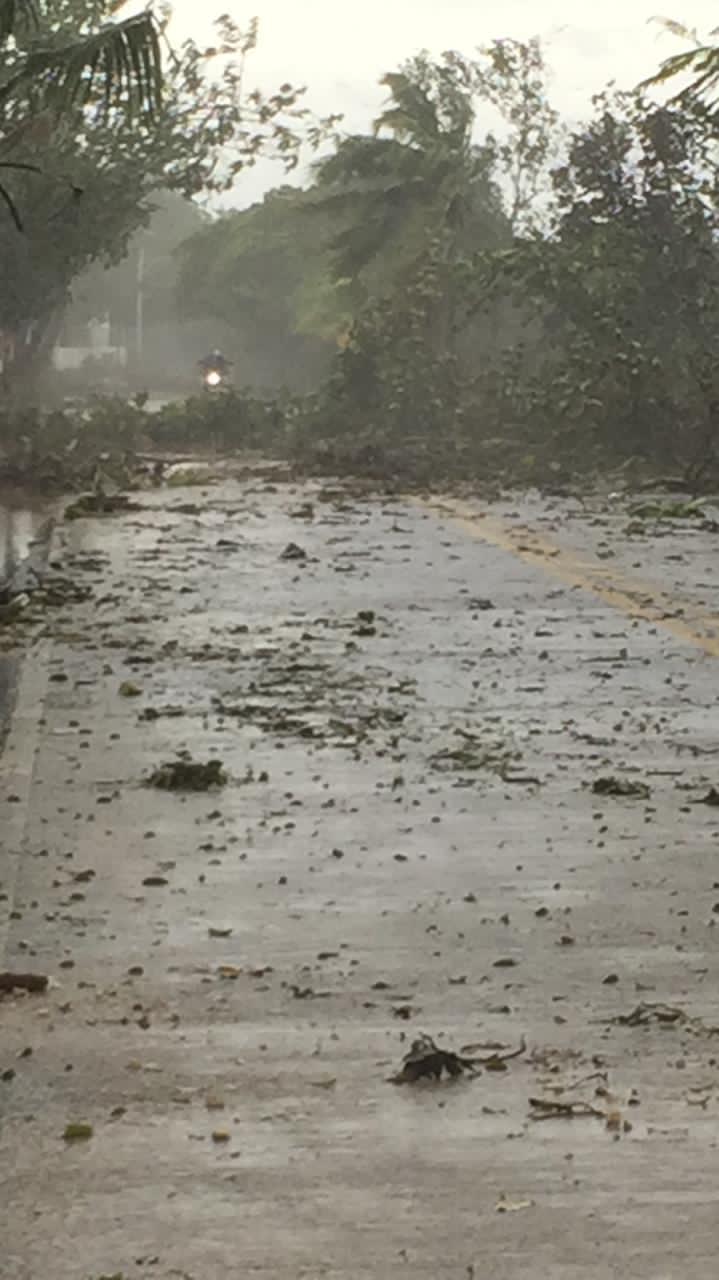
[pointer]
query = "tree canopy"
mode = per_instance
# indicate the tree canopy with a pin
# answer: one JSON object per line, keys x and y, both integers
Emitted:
{"x": 92, "y": 125}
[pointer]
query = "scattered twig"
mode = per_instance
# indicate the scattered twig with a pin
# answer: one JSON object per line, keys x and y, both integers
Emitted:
{"x": 520, "y": 779}
{"x": 548, "y": 1109}
{"x": 602, "y": 1076}
{"x": 497, "y": 1061}
{"x": 665, "y": 1015}
{"x": 647, "y": 1012}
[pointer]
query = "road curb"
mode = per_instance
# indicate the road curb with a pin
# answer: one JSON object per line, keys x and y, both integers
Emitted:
{"x": 17, "y": 768}
{"x": 18, "y": 752}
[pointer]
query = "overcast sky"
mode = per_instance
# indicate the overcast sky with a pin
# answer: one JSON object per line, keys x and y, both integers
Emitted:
{"x": 339, "y": 50}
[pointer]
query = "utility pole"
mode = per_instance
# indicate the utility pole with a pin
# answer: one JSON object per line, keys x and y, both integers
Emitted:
{"x": 140, "y": 313}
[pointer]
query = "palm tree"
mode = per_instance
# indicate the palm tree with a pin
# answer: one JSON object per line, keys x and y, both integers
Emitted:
{"x": 418, "y": 180}
{"x": 123, "y": 58}
{"x": 120, "y": 65}
{"x": 701, "y": 62}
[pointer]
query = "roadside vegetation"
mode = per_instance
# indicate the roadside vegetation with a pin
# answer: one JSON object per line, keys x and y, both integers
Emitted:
{"x": 471, "y": 288}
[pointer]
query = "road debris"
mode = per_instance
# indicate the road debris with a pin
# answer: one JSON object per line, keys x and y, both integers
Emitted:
{"x": 553, "y": 1109}
{"x": 78, "y": 1131}
{"x": 426, "y": 1061}
{"x": 644, "y": 1013}
{"x": 128, "y": 689}
{"x": 293, "y": 552}
{"x": 100, "y": 504}
{"x": 663, "y": 1015}
{"x": 623, "y": 787}
{"x": 498, "y": 1058}
{"x": 345, "y": 889}
{"x": 31, "y": 982}
{"x": 188, "y": 775}
{"x": 668, "y": 511}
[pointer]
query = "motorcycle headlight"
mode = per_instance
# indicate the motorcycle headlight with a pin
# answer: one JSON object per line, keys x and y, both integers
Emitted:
{"x": 213, "y": 378}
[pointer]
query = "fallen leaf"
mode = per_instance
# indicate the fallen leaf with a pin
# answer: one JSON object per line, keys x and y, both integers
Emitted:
{"x": 129, "y": 690}
{"x": 513, "y": 1206}
{"x": 78, "y": 1132}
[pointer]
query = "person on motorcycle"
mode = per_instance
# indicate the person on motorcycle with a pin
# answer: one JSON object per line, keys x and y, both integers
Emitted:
{"x": 215, "y": 363}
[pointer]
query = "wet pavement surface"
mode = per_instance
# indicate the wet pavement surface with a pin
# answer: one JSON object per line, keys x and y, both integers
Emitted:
{"x": 412, "y": 706}
{"x": 21, "y": 550}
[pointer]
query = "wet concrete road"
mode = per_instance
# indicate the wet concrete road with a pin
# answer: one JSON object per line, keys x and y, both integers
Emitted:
{"x": 412, "y": 718}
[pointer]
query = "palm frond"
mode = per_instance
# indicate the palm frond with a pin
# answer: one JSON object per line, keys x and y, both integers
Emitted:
{"x": 701, "y": 61}
{"x": 11, "y": 207}
{"x": 410, "y": 113}
{"x": 123, "y": 60}
{"x": 5, "y": 195}
{"x": 358, "y": 157}
{"x": 13, "y": 14}
{"x": 679, "y": 29}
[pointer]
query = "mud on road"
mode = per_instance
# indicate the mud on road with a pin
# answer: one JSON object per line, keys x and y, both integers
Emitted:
{"x": 468, "y": 759}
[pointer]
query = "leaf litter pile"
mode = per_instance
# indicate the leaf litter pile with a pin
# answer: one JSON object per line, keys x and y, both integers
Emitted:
{"x": 188, "y": 775}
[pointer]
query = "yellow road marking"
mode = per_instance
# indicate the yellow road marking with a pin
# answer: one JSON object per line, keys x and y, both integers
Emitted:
{"x": 630, "y": 596}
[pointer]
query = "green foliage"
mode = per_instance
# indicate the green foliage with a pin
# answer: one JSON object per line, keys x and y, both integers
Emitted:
{"x": 511, "y": 76}
{"x": 82, "y": 165}
{"x": 120, "y": 66}
{"x": 121, "y": 61}
{"x": 625, "y": 289}
{"x": 59, "y": 451}
{"x": 229, "y": 421}
{"x": 264, "y": 274}
{"x": 405, "y": 206}
{"x": 483, "y": 308}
